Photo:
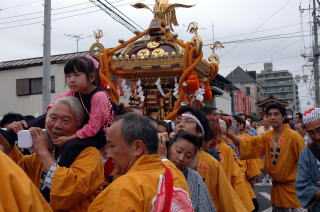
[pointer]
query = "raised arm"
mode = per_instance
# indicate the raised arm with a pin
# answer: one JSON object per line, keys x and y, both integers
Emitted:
{"x": 233, "y": 137}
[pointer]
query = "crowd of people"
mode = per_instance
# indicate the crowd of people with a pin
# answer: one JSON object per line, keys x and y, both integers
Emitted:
{"x": 97, "y": 156}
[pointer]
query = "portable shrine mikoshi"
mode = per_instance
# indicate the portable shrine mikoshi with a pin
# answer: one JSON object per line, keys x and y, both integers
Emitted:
{"x": 155, "y": 69}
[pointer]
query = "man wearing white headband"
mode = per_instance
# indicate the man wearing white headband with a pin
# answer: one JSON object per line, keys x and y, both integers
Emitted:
{"x": 281, "y": 147}
{"x": 308, "y": 178}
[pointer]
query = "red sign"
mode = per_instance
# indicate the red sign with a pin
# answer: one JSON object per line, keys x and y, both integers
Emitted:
{"x": 239, "y": 101}
{"x": 247, "y": 108}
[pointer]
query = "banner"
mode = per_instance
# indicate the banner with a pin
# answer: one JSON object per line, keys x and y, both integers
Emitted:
{"x": 239, "y": 101}
{"x": 247, "y": 105}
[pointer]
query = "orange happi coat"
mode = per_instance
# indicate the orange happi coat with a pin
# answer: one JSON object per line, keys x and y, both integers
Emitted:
{"x": 18, "y": 193}
{"x": 139, "y": 189}
{"x": 280, "y": 163}
{"x": 73, "y": 188}
{"x": 235, "y": 175}
{"x": 223, "y": 195}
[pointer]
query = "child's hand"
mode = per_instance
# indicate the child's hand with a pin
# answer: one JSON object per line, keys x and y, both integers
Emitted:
{"x": 62, "y": 140}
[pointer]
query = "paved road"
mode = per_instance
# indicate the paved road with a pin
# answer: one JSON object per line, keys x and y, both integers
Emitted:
{"x": 263, "y": 196}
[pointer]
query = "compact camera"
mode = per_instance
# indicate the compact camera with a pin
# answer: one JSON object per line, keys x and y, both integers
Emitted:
{"x": 25, "y": 139}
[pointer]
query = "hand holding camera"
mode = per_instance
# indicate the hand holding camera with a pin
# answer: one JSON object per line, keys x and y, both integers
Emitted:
{"x": 26, "y": 137}
{"x": 40, "y": 140}
{"x": 17, "y": 126}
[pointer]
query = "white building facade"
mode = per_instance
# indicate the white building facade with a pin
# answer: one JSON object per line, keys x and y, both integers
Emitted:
{"x": 21, "y": 83}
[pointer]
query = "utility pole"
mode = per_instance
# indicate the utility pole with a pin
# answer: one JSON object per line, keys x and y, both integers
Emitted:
{"x": 316, "y": 55}
{"x": 212, "y": 28}
{"x": 77, "y": 37}
{"x": 214, "y": 102}
{"x": 46, "y": 80}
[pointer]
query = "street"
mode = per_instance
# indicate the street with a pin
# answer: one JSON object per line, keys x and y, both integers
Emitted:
{"x": 263, "y": 196}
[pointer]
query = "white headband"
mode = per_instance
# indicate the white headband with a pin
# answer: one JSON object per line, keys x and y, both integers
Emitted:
{"x": 186, "y": 115}
{"x": 311, "y": 115}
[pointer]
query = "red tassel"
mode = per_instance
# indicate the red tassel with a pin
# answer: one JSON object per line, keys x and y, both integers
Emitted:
{"x": 193, "y": 82}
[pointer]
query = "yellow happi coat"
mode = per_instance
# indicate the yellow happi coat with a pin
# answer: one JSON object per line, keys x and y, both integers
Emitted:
{"x": 223, "y": 195}
{"x": 18, "y": 193}
{"x": 137, "y": 190}
{"x": 280, "y": 163}
{"x": 234, "y": 174}
{"x": 73, "y": 188}
{"x": 250, "y": 168}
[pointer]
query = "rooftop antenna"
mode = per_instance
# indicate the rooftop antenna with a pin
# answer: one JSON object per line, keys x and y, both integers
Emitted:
{"x": 77, "y": 37}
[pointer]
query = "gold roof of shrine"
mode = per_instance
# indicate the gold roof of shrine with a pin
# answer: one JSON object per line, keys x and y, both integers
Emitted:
{"x": 158, "y": 56}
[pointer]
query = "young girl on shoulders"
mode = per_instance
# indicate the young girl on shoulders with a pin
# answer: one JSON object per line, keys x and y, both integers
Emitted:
{"x": 82, "y": 78}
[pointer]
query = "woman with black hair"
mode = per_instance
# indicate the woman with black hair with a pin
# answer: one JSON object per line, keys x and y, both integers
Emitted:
{"x": 181, "y": 151}
{"x": 222, "y": 194}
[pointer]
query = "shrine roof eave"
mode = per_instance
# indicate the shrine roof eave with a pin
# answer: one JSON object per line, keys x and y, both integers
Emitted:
{"x": 265, "y": 102}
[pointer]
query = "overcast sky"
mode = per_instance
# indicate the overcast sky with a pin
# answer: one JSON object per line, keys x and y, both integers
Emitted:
{"x": 21, "y": 32}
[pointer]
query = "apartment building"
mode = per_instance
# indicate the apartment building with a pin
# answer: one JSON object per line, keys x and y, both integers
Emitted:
{"x": 279, "y": 84}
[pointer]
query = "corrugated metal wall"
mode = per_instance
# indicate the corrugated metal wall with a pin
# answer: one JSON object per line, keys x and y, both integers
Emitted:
{"x": 30, "y": 104}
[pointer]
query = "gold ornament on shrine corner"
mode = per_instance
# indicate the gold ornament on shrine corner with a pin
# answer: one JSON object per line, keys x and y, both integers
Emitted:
{"x": 196, "y": 39}
{"x": 97, "y": 47}
{"x": 213, "y": 57}
{"x": 153, "y": 45}
{"x": 143, "y": 53}
{"x": 158, "y": 52}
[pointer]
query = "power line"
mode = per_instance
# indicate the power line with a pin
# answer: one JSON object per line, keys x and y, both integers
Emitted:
{"x": 125, "y": 16}
{"x": 39, "y": 22}
{"x": 59, "y": 8}
{"x": 263, "y": 38}
{"x": 25, "y": 14}
{"x": 277, "y": 52}
{"x": 263, "y": 23}
{"x": 27, "y": 19}
{"x": 114, "y": 15}
{"x": 270, "y": 29}
{"x": 251, "y": 63}
{"x": 20, "y": 5}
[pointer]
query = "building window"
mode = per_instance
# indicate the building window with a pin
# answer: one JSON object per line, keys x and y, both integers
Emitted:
{"x": 30, "y": 86}
{"x": 248, "y": 90}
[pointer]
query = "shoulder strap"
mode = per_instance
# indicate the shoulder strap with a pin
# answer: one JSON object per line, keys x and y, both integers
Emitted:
{"x": 315, "y": 150}
{"x": 169, "y": 190}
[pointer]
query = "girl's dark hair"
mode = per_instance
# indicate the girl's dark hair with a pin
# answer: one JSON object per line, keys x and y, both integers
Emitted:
{"x": 195, "y": 140}
{"x": 84, "y": 65}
